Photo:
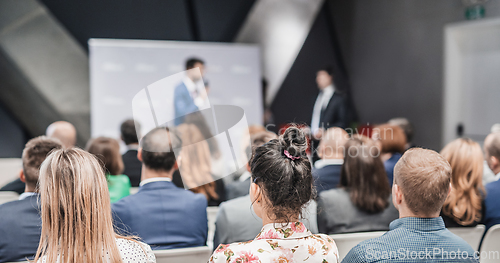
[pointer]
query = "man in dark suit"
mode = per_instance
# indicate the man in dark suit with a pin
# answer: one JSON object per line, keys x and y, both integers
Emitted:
{"x": 161, "y": 214}
{"x": 132, "y": 165}
{"x": 330, "y": 107}
{"x": 190, "y": 95}
{"x": 326, "y": 172}
{"x": 20, "y": 223}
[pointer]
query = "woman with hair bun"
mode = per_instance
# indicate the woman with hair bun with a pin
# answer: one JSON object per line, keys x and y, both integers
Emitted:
{"x": 282, "y": 184}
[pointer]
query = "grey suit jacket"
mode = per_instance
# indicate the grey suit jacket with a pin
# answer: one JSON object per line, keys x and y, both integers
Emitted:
{"x": 237, "y": 222}
{"x": 337, "y": 214}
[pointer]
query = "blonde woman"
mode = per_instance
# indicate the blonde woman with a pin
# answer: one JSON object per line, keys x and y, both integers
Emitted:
{"x": 464, "y": 205}
{"x": 76, "y": 214}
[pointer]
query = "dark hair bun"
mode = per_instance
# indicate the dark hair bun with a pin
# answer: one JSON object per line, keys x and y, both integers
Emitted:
{"x": 285, "y": 178}
{"x": 294, "y": 141}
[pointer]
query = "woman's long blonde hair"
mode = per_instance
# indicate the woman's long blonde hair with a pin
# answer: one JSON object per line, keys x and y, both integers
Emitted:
{"x": 464, "y": 203}
{"x": 76, "y": 216}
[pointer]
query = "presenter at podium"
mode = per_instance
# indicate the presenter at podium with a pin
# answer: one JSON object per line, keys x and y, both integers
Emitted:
{"x": 190, "y": 95}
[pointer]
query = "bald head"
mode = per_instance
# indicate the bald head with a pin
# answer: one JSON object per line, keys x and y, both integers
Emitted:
{"x": 156, "y": 149}
{"x": 332, "y": 144}
{"x": 492, "y": 151}
{"x": 64, "y": 131}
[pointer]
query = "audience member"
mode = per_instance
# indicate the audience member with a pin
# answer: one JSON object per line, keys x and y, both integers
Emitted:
{"x": 161, "y": 214}
{"x": 19, "y": 220}
{"x": 241, "y": 186}
{"x": 132, "y": 165}
{"x": 107, "y": 150}
{"x": 421, "y": 185}
{"x": 492, "y": 154}
{"x": 464, "y": 205}
{"x": 196, "y": 171}
{"x": 237, "y": 222}
{"x": 282, "y": 185}
{"x": 326, "y": 172}
{"x": 76, "y": 214}
{"x": 407, "y": 128}
{"x": 65, "y": 132}
{"x": 392, "y": 142}
{"x": 362, "y": 202}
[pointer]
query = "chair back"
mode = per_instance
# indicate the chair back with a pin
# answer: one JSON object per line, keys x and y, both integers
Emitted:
{"x": 345, "y": 242}
{"x": 8, "y": 196}
{"x": 9, "y": 169}
{"x": 211, "y": 216}
{"x": 489, "y": 248}
{"x": 192, "y": 255}
{"x": 472, "y": 235}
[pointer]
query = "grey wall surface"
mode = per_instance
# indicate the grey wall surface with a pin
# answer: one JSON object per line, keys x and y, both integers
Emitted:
{"x": 394, "y": 56}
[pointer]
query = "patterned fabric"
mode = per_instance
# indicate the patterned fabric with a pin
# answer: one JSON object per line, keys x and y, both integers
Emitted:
{"x": 292, "y": 242}
{"x": 130, "y": 251}
{"x": 414, "y": 239}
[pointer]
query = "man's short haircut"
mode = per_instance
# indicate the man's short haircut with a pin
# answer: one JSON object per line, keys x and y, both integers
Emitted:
{"x": 128, "y": 132}
{"x": 327, "y": 69}
{"x": 34, "y": 153}
{"x": 493, "y": 145}
{"x": 192, "y": 61}
{"x": 424, "y": 179}
{"x": 158, "y": 149}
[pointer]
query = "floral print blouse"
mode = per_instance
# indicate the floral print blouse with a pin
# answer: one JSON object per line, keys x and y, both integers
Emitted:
{"x": 282, "y": 244}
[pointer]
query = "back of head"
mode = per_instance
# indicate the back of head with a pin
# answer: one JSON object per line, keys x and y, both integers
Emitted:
{"x": 158, "y": 149}
{"x": 391, "y": 137}
{"x": 282, "y": 170}
{"x": 424, "y": 179}
{"x": 333, "y": 143}
{"x": 492, "y": 145}
{"x": 63, "y": 131}
{"x": 466, "y": 161}
{"x": 75, "y": 209}
{"x": 129, "y": 132}
{"x": 34, "y": 153}
{"x": 404, "y": 124}
{"x": 107, "y": 150}
{"x": 192, "y": 61}
{"x": 363, "y": 175}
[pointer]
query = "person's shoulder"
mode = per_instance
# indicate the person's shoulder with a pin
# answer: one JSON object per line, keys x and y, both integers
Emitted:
{"x": 236, "y": 202}
{"x": 133, "y": 249}
{"x": 333, "y": 194}
{"x": 492, "y": 187}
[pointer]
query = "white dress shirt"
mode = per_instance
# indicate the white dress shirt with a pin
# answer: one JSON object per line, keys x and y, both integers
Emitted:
{"x": 26, "y": 195}
{"x": 321, "y": 103}
{"x": 198, "y": 93}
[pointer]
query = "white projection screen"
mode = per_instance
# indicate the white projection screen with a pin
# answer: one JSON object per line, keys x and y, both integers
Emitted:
{"x": 120, "y": 69}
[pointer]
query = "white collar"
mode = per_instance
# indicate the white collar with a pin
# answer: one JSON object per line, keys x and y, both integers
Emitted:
{"x": 190, "y": 84}
{"x": 497, "y": 176}
{"x": 133, "y": 147}
{"x": 155, "y": 179}
{"x": 26, "y": 195}
{"x": 324, "y": 162}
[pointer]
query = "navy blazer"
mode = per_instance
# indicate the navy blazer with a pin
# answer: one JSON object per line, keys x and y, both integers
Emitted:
{"x": 328, "y": 177}
{"x": 492, "y": 206}
{"x": 133, "y": 167}
{"x": 183, "y": 103}
{"x": 20, "y": 228}
{"x": 163, "y": 216}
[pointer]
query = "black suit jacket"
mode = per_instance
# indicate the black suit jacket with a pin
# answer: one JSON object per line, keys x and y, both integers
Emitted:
{"x": 133, "y": 167}
{"x": 20, "y": 228}
{"x": 335, "y": 113}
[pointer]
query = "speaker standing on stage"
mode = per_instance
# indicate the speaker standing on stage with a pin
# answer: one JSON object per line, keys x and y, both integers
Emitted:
{"x": 330, "y": 108}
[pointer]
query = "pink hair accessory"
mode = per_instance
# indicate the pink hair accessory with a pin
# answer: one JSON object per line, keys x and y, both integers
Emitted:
{"x": 287, "y": 154}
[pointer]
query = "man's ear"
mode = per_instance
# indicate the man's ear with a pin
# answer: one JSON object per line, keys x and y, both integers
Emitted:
{"x": 397, "y": 195}
{"x": 249, "y": 169}
{"x": 22, "y": 177}
{"x": 139, "y": 154}
{"x": 176, "y": 166}
{"x": 494, "y": 161}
